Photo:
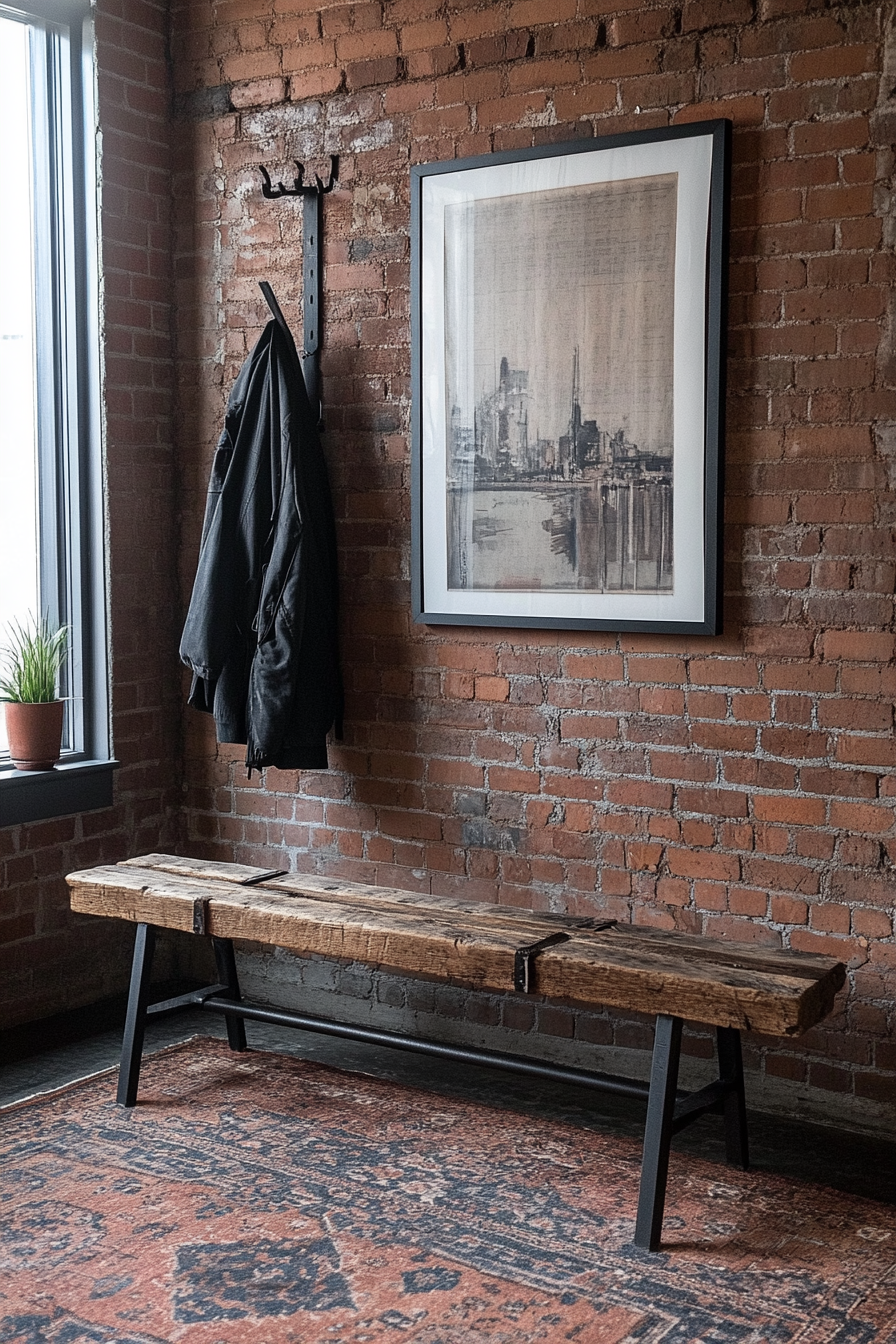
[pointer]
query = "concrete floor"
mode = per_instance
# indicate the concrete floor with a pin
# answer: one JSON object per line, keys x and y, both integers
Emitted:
{"x": 844, "y": 1161}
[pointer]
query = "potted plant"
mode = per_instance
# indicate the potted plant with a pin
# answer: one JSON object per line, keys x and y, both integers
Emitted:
{"x": 32, "y": 660}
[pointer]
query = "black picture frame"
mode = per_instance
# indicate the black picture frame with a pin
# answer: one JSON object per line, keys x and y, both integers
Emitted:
{"x": 607, "y": 516}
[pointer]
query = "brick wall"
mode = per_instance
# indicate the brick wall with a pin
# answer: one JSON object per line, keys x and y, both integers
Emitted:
{"x": 50, "y": 961}
{"x": 740, "y": 786}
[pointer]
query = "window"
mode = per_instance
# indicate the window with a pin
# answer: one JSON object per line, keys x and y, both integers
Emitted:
{"x": 51, "y": 496}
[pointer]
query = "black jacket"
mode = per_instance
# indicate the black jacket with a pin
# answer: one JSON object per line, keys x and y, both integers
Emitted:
{"x": 261, "y": 631}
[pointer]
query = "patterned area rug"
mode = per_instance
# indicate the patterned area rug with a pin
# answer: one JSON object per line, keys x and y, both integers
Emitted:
{"x": 258, "y": 1199}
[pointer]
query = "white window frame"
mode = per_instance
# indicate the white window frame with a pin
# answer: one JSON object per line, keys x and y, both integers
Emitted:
{"x": 70, "y": 511}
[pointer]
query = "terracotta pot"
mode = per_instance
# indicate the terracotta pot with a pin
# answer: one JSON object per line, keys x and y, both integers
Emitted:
{"x": 35, "y": 734}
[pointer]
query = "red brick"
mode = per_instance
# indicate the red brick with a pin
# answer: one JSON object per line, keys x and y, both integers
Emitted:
{"x": 461, "y": 773}
{"x": 258, "y": 93}
{"x": 601, "y": 667}
{"x": 879, "y": 1087}
{"x": 460, "y": 685}
{"x": 861, "y": 817}
{"x": 786, "y": 910}
{"x": 472, "y": 657}
{"x": 682, "y": 765}
{"x": 872, "y": 923}
{"x": 713, "y": 802}
{"x": 429, "y": 33}
{"x": 740, "y": 930}
{"x": 508, "y": 111}
{"x": 722, "y": 672}
{"x": 858, "y": 646}
{"x": 839, "y": 783}
{"x": 785, "y": 1066}
{"x": 704, "y": 14}
{"x": 710, "y": 896}
{"x": 584, "y": 100}
{"x": 703, "y": 864}
{"x": 706, "y": 705}
{"x": 366, "y": 46}
{"x": 745, "y": 901}
{"x": 365, "y": 74}
{"x": 723, "y": 737}
{"x": 829, "y": 918}
{"x": 827, "y": 441}
{"x": 794, "y": 743}
{"x": 660, "y": 701}
{"x": 697, "y": 832}
{"x": 745, "y": 110}
{"x": 789, "y": 810}
{"x": 314, "y": 84}
{"x": 522, "y": 13}
{"x": 799, "y": 677}
{"x": 668, "y": 670}
{"x": 880, "y": 751}
{"x": 639, "y": 793}
{"x": 842, "y": 949}
{"x": 644, "y": 857}
{"x": 838, "y": 62}
{"x": 752, "y": 708}
{"x": 413, "y": 825}
{"x": 579, "y": 726}
{"x": 492, "y": 688}
{"x": 513, "y": 781}
{"x": 780, "y": 876}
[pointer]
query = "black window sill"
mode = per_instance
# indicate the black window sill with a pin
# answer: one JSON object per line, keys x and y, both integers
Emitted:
{"x": 76, "y": 786}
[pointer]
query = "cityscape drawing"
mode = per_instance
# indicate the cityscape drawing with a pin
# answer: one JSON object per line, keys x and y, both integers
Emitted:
{"x": 559, "y": 469}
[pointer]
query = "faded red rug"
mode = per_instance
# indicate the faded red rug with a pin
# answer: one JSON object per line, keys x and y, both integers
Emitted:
{"x": 254, "y": 1199}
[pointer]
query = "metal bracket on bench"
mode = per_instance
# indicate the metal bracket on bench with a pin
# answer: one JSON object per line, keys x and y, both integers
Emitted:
{"x": 524, "y": 956}
{"x": 200, "y": 903}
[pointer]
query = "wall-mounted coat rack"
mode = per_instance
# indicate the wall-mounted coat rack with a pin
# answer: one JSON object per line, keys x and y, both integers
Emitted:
{"x": 312, "y": 195}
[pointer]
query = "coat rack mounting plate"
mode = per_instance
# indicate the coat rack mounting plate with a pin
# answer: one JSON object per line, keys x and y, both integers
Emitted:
{"x": 312, "y": 194}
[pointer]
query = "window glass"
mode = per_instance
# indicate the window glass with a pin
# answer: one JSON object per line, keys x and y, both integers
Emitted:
{"x": 19, "y": 592}
{"x": 51, "y": 562}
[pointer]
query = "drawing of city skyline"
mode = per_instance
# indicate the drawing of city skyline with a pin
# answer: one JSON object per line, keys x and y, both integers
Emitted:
{"x": 559, "y": 375}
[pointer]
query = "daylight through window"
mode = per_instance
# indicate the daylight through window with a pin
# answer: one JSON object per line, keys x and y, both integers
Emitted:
{"x": 50, "y": 563}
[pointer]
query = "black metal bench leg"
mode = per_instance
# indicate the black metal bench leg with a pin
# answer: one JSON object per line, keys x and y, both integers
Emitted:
{"x": 731, "y": 1066}
{"x": 226, "y": 963}
{"x": 135, "y": 1022}
{"x": 658, "y": 1132}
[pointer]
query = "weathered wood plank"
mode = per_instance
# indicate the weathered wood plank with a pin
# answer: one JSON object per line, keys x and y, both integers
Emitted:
{"x": 183, "y": 867}
{"x": 642, "y": 940}
{"x": 309, "y": 884}
{"x": 778, "y": 994}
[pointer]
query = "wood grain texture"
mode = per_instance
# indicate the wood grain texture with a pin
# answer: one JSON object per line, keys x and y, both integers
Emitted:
{"x": 722, "y": 984}
{"x": 492, "y": 915}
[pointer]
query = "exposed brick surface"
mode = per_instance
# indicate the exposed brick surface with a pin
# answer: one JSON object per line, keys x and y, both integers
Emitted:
{"x": 740, "y": 786}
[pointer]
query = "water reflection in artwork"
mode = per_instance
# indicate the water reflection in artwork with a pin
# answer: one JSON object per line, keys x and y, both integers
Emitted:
{"x": 602, "y": 536}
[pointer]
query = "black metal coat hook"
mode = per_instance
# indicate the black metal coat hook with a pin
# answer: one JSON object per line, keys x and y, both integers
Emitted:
{"x": 299, "y": 188}
{"x": 312, "y": 262}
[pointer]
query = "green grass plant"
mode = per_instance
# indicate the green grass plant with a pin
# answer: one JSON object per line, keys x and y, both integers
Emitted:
{"x": 32, "y": 659}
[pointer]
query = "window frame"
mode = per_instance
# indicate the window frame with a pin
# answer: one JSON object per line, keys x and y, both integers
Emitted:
{"x": 68, "y": 408}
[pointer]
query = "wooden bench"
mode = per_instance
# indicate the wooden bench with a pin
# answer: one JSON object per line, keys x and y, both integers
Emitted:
{"x": 587, "y": 962}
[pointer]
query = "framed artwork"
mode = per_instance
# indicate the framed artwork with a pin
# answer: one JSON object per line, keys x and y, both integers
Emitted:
{"x": 568, "y": 383}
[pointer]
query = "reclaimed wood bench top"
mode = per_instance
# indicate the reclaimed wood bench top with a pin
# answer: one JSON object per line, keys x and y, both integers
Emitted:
{"x": 777, "y": 992}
